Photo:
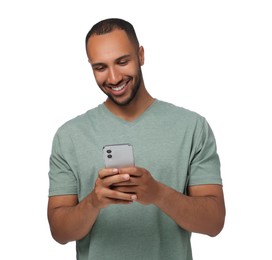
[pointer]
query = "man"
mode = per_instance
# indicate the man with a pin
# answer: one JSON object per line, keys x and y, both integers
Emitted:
{"x": 142, "y": 212}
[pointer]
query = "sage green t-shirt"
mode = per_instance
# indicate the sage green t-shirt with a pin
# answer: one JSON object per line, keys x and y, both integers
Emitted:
{"x": 175, "y": 145}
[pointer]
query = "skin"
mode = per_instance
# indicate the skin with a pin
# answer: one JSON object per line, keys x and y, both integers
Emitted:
{"x": 117, "y": 62}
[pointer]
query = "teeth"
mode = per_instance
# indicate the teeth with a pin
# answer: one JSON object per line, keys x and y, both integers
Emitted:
{"x": 119, "y": 88}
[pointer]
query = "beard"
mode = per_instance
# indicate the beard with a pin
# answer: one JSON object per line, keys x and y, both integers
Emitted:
{"x": 134, "y": 91}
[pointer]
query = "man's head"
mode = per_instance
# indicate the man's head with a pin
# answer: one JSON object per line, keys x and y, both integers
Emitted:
{"x": 111, "y": 24}
{"x": 116, "y": 58}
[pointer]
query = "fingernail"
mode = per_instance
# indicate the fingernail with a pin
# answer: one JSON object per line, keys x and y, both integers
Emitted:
{"x": 115, "y": 170}
{"x": 134, "y": 197}
{"x": 126, "y": 176}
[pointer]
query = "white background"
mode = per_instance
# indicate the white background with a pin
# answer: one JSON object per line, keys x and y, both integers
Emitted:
{"x": 213, "y": 57}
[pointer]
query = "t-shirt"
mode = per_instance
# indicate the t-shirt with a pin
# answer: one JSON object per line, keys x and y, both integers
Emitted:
{"x": 175, "y": 145}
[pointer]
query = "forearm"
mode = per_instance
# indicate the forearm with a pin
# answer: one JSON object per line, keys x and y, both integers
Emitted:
{"x": 70, "y": 223}
{"x": 200, "y": 214}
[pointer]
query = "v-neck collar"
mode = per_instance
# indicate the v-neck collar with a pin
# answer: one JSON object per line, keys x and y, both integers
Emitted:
{"x": 112, "y": 116}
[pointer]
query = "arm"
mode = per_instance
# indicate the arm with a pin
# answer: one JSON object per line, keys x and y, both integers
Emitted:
{"x": 70, "y": 220}
{"x": 202, "y": 211}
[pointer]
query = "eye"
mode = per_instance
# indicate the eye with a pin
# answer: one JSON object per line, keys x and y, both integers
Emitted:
{"x": 123, "y": 62}
{"x": 99, "y": 68}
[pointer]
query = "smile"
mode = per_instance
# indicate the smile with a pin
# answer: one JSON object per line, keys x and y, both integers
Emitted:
{"x": 119, "y": 87}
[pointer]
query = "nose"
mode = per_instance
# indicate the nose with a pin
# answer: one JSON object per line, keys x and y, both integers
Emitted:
{"x": 114, "y": 76}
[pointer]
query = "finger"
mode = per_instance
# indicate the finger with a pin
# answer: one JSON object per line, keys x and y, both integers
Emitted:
{"x": 107, "y": 172}
{"x": 114, "y": 180}
{"x": 123, "y": 202}
{"x": 132, "y": 171}
{"x": 117, "y": 195}
{"x": 132, "y": 181}
{"x": 126, "y": 189}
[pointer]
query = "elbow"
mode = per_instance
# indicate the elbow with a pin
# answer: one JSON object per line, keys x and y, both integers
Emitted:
{"x": 217, "y": 228}
{"x": 215, "y": 232}
{"x": 59, "y": 236}
{"x": 58, "y": 233}
{"x": 218, "y": 223}
{"x": 59, "y": 239}
{"x": 62, "y": 242}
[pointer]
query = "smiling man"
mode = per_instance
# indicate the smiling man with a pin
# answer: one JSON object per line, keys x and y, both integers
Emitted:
{"x": 116, "y": 65}
{"x": 116, "y": 60}
{"x": 146, "y": 211}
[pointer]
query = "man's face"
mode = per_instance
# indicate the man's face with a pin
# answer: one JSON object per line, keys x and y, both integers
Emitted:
{"x": 116, "y": 64}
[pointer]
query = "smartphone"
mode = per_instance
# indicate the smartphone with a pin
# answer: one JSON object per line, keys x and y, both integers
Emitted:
{"x": 118, "y": 155}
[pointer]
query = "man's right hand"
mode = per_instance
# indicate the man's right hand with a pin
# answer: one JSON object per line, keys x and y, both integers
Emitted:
{"x": 102, "y": 195}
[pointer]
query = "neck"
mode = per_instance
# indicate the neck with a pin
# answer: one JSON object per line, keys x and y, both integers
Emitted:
{"x": 134, "y": 109}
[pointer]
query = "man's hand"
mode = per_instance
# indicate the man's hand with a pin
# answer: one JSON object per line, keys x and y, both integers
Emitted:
{"x": 141, "y": 183}
{"x": 201, "y": 211}
{"x": 103, "y": 195}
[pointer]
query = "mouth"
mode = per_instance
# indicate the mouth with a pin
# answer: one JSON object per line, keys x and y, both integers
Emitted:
{"x": 119, "y": 90}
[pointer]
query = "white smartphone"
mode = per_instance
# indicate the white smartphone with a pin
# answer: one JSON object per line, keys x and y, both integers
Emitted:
{"x": 118, "y": 155}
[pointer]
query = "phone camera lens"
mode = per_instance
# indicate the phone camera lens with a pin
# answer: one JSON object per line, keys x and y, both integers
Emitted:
{"x": 109, "y": 156}
{"x": 108, "y": 151}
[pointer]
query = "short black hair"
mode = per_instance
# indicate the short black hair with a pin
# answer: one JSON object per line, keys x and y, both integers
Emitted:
{"x": 111, "y": 24}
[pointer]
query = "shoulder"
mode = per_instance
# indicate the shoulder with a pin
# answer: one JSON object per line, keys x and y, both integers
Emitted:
{"x": 79, "y": 123}
{"x": 178, "y": 114}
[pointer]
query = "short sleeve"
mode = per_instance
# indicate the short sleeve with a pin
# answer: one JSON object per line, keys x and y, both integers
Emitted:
{"x": 62, "y": 178}
{"x": 205, "y": 163}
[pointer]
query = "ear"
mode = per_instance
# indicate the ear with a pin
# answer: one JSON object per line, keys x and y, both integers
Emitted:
{"x": 141, "y": 55}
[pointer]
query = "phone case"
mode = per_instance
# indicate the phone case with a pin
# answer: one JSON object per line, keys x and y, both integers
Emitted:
{"x": 118, "y": 155}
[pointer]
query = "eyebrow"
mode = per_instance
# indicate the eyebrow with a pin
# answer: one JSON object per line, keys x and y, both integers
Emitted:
{"x": 118, "y": 59}
{"x": 98, "y": 64}
{"x": 123, "y": 57}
